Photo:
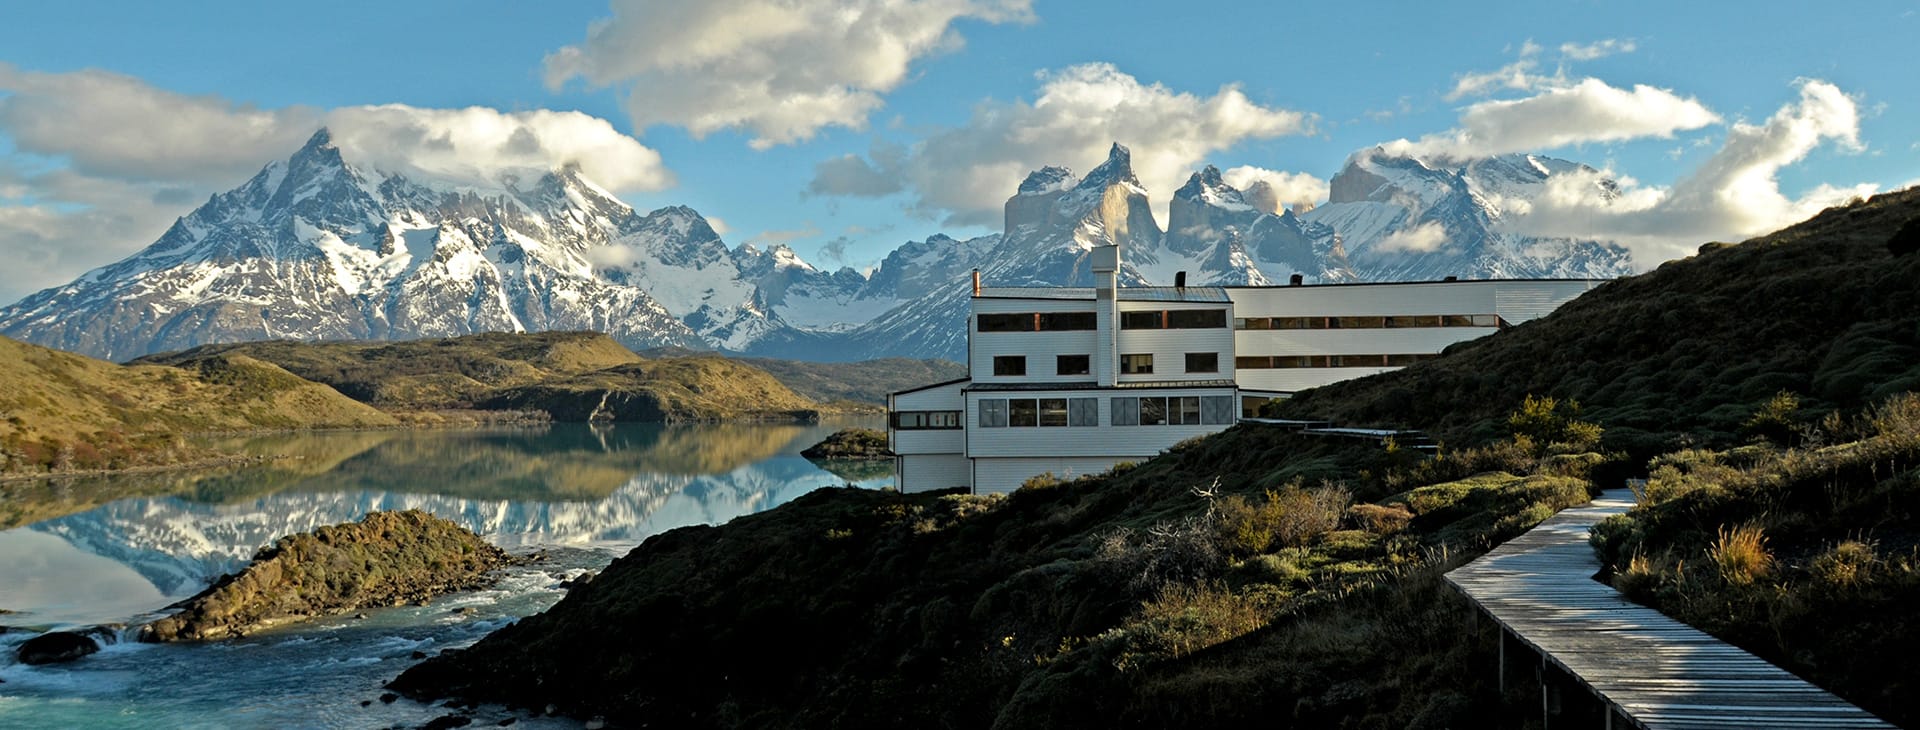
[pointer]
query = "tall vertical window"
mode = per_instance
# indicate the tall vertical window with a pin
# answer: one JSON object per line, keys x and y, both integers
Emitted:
{"x": 1136, "y": 364}
{"x": 1010, "y": 365}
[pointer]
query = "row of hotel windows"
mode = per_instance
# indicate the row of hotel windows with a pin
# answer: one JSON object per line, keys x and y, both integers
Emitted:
{"x": 1361, "y": 323}
{"x": 1263, "y": 362}
{"x": 1173, "y": 319}
{"x": 1127, "y": 411}
{"x": 1015, "y": 365}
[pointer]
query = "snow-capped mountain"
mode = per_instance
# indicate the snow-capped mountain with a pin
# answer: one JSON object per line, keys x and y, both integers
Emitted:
{"x": 1401, "y": 218}
{"x": 316, "y": 247}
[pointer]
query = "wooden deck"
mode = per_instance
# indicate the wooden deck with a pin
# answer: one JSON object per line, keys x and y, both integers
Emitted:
{"x": 1650, "y": 670}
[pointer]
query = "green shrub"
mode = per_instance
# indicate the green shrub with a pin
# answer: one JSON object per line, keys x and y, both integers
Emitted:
{"x": 1553, "y": 425}
{"x": 1740, "y": 555}
{"x": 1380, "y": 519}
{"x": 1775, "y": 420}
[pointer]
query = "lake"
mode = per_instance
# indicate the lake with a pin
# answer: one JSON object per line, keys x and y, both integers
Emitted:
{"x": 109, "y": 550}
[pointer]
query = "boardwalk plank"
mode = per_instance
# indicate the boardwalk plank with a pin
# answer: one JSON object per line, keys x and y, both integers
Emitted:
{"x": 1655, "y": 671}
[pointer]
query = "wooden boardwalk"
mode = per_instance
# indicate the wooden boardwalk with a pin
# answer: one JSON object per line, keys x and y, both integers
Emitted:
{"x": 1649, "y": 670}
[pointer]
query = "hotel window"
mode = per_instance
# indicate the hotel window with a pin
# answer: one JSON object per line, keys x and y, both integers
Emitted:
{"x": 1022, "y": 412}
{"x": 1073, "y": 365}
{"x": 1065, "y": 321}
{"x": 1005, "y": 322}
{"x": 1136, "y": 364}
{"x": 1009, "y": 364}
{"x": 1212, "y": 410}
{"x": 1083, "y": 411}
{"x": 1142, "y": 320}
{"x": 923, "y": 420}
{"x": 1053, "y": 411}
{"x": 993, "y": 413}
{"x": 1153, "y": 411}
{"x": 1194, "y": 319}
{"x": 1203, "y": 362}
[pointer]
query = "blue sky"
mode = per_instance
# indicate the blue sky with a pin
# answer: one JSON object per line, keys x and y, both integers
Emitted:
{"x": 932, "y": 112}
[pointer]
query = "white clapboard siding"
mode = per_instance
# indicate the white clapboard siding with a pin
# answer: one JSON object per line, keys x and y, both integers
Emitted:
{"x": 927, "y": 441}
{"x": 998, "y": 476}
{"x": 1169, "y": 349}
{"x": 927, "y": 472}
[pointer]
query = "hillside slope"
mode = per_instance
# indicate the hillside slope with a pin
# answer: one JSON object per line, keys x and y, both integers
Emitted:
{"x": 568, "y": 375}
{"x": 60, "y": 411}
{"x": 1822, "y": 309}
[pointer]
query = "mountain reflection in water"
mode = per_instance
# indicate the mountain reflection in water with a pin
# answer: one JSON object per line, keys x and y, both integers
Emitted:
{"x": 563, "y": 485}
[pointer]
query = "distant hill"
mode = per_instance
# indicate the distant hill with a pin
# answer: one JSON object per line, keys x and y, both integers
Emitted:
{"x": 1822, "y": 309}
{"x": 573, "y": 376}
{"x": 866, "y": 381}
{"x": 61, "y": 411}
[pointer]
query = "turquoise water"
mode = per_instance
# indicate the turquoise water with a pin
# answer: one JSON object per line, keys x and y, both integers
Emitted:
{"x": 115, "y": 551}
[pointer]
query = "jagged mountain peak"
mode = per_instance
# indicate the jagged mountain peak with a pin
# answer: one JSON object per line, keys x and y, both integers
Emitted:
{"x": 1117, "y": 169}
{"x": 1048, "y": 179}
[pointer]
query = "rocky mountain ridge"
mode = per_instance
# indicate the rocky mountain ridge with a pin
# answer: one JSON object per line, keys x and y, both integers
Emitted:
{"x": 316, "y": 247}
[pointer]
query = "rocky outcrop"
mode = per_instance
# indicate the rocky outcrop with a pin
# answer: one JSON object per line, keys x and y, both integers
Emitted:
{"x": 385, "y": 559}
{"x": 54, "y": 647}
{"x": 851, "y": 443}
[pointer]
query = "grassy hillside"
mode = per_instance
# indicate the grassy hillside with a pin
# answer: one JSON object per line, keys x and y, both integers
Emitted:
{"x": 571, "y": 375}
{"x": 1684, "y": 354}
{"x": 64, "y": 412}
{"x": 1262, "y": 578}
{"x": 867, "y": 381}
{"x": 1050, "y": 608}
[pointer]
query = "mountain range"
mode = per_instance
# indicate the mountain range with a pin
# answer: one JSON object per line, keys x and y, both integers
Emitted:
{"x": 317, "y": 247}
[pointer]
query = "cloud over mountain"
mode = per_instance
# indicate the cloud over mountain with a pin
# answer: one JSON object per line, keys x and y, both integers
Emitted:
{"x": 1733, "y": 194}
{"x": 962, "y": 174}
{"x": 128, "y": 157}
{"x": 782, "y": 71}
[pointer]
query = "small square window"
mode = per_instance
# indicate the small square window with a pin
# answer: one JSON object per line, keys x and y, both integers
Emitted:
{"x": 1203, "y": 362}
{"x": 1136, "y": 364}
{"x": 1010, "y": 365}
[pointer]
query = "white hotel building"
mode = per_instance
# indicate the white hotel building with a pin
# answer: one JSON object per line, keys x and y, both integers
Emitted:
{"x": 1072, "y": 381}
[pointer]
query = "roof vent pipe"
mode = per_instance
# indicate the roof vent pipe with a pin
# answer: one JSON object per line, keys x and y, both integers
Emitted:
{"x": 976, "y": 282}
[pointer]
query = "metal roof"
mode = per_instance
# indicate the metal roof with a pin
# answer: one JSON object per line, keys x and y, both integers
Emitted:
{"x": 940, "y": 384}
{"x": 1209, "y": 294}
{"x": 1082, "y": 385}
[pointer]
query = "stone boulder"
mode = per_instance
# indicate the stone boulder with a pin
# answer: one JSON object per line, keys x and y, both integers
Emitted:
{"x": 57, "y": 646}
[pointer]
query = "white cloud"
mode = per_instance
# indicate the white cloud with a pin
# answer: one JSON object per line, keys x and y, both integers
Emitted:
{"x": 112, "y": 125}
{"x": 1424, "y": 238}
{"x": 1597, "y": 49}
{"x": 478, "y": 144}
{"x": 782, "y": 70}
{"x": 1732, "y": 195}
{"x": 1587, "y": 111}
{"x": 104, "y": 161}
{"x": 1269, "y": 190}
{"x": 966, "y": 173}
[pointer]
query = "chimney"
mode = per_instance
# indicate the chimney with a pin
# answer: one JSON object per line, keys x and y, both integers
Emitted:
{"x": 1296, "y": 280}
{"x": 976, "y": 282}
{"x": 1451, "y": 278}
{"x": 1106, "y": 313}
{"x": 1180, "y": 280}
